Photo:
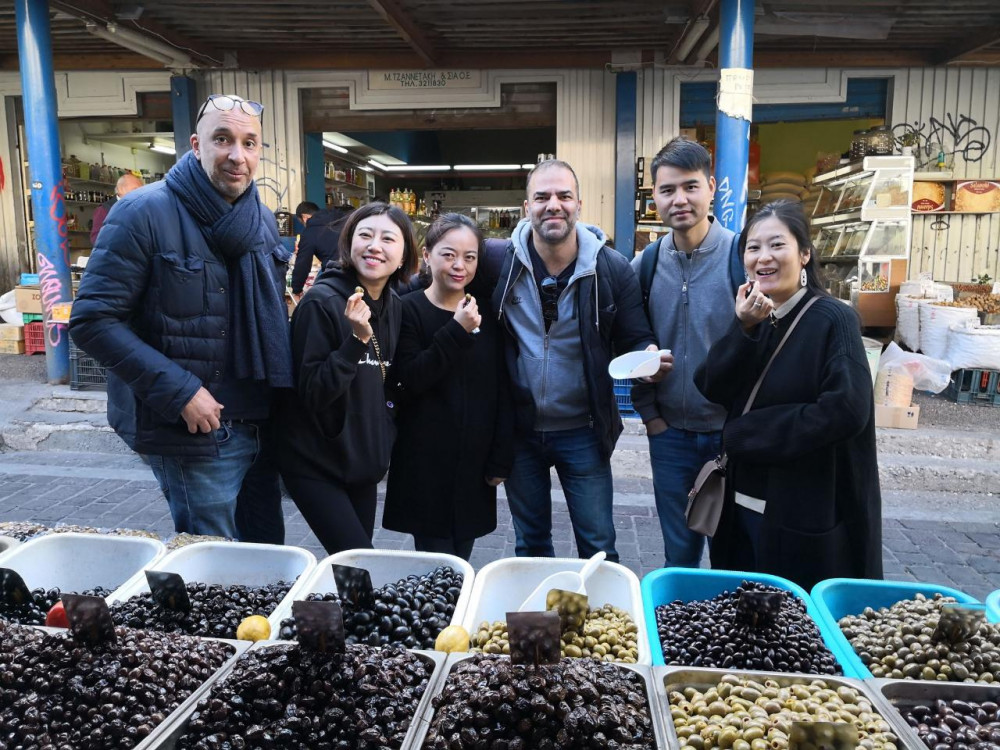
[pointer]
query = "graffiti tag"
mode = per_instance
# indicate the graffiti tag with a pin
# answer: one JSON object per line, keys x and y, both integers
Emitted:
{"x": 727, "y": 203}
{"x": 52, "y": 290}
{"x": 960, "y": 136}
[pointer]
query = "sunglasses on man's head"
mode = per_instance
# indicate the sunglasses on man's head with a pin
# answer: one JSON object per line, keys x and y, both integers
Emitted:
{"x": 549, "y": 289}
{"x": 225, "y": 103}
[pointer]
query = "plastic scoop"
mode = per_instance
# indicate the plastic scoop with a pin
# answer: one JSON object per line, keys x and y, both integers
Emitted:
{"x": 635, "y": 365}
{"x": 565, "y": 580}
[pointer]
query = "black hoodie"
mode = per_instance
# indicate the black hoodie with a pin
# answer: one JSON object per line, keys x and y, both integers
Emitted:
{"x": 338, "y": 423}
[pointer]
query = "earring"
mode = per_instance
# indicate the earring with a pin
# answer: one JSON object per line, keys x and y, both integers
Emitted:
{"x": 803, "y": 278}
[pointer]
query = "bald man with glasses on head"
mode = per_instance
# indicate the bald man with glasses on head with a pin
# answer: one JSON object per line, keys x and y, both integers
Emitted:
{"x": 183, "y": 303}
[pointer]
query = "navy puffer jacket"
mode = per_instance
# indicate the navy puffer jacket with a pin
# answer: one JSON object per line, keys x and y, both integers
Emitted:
{"x": 153, "y": 308}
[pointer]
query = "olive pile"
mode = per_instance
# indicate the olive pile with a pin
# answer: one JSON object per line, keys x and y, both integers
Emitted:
{"x": 184, "y": 539}
{"x": 898, "y": 642}
{"x": 33, "y": 612}
{"x": 22, "y": 530}
{"x": 282, "y": 696}
{"x": 956, "y": 724}
{"x": 578, "y": 703}
{"x": 608, "y": 634}
{"x": 710, "y": 633}
{"x": 58, "y": 693}
{"x": 746, "y": 714}
{"x": 216, "y": 611}
{"x": 412, "y": 611}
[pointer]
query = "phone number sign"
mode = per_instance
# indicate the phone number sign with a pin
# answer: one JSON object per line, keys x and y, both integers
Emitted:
{"x": 397, "y": 80}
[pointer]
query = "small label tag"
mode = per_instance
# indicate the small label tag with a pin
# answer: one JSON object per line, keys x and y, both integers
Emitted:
{"x": 168, "y": 590}
{"x": 759, "y": 608}
{"x": 15, "y": 590}
{"x": 320, "y": 626}
{"x": 572, "y": 608}
{"x": 959, "y": 622}
{"x": 534, "y": 637}
{"x": 354, "y": 586}
{"x": 89, "y": 619}
{"x": 822, "y": 735}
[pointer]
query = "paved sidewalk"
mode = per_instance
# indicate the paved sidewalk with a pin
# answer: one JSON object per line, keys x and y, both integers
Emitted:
{"x": 119, "y": 491}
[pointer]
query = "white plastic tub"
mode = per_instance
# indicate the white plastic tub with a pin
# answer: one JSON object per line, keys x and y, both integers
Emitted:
{"x": 384, "y": 566}
{"x": 503, "y": 585}
{"x": 76, "y": 562}
{"x": 228, "y": 564}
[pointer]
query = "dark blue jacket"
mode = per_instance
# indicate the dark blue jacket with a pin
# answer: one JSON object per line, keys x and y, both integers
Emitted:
{"x": 153, "y": 308}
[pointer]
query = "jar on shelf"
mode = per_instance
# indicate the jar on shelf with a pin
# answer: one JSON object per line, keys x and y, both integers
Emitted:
{"x": 880, "y": 142}
{"x": 859, "y": 145}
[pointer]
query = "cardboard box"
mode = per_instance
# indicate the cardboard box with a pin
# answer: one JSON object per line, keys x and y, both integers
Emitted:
{"x": 28, "y": 299}
{"x": 11, "y": 347}
{"x": 898, "y": 417}
{"x": 11, "y": 332}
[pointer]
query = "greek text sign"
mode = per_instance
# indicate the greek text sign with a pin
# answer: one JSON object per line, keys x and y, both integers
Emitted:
{"x": 397, "y": 80}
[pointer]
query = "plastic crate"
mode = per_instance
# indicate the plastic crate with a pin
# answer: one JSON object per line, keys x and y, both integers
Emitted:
{"x": 84, "y": 372}
{"x": 623, "y": 395}
{"x": 838, "y": 597}
{"x": 975, "y": 387}
{"x": 691, "y": 584}
{"x": 993, "y": 605}
{"x": 34, "y": 338}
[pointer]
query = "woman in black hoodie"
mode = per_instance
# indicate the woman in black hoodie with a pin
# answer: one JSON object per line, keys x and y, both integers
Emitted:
{"x": 337, "y": 428}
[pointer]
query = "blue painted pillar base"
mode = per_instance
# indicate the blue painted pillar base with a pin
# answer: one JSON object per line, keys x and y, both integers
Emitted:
{"x": 184, "y": 106}
{"x": 625, "y": 104}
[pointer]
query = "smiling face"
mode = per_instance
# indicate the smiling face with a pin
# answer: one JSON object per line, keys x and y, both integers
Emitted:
{"x": 377, "y": 247}
{"x": 682, "y": 198}
{"x": 228, "y": 146}
{"x": 553, "y": 204}
{"x": 774, "y": 260}
{"x": 453, "y": 260}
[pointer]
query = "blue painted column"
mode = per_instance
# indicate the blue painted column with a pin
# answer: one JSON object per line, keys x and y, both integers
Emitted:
{"x": 184, "y": 106}
{"x": 34, "y": 45}
{"x": 315, "y": 179}
{"x": 732, "y": 121}
{"x": 625, "y": 101}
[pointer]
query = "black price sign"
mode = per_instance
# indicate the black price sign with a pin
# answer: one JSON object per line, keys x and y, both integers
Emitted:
{"x": 822, "y": 735}
{"x": 959, "y": 622}
{"x": 571, "y": 606}
{"x": 354, "y": 586}
{"x": 534, "y": 637}
{"x": 89, "y": 619}
{"x": 168, "y": 590}
{"x": 15, "y": 590}
{"x": 320, "y": 626}
{"x": 758, "y": 608}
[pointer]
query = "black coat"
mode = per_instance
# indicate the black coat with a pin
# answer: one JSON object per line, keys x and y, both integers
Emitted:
{"x": 807, "y": 446}
{"x": 338, "y": 423}
{"x": 455, "y": 424}
{"x": 318, "y": 239}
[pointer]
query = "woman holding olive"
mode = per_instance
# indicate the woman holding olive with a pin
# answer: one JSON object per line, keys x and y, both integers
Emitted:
{"x": 802, "y": 489}
{"x": 337, "y": 427}
{"x": 452, "y": 390}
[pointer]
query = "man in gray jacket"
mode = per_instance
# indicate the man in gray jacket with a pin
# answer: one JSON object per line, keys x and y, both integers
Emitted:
{"x": 566, "y": 302}
{"x": 690, "y": 304}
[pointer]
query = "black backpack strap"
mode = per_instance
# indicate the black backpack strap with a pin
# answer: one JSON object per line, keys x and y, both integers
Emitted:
{"x": 647, "y": 267}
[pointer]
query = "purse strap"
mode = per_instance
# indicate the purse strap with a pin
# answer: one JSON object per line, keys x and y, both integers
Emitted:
{"x": 753, "y": 393}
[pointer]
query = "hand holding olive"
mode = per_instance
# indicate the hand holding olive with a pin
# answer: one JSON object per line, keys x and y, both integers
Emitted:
{"x": 752, "y": 306}
{"x": 359, "y": 315}
{"x": 467, "y": 313}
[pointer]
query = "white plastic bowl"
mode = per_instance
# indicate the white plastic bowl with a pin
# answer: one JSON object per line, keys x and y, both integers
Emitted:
{"x": 503, "y": 585}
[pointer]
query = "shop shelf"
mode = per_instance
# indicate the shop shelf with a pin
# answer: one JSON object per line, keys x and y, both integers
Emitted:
{"x": 228, "y": 564}
{"x": 76, "y": 562}
{"x": 652, "y": 696}
{"x": 34, "y": 338}
{"x": 993, "y": 605}
{"x": 670, "y": 679}
{"x": 503, "y": 585}
{"x": 623, "y": 395}
{"x": 975, "y": 386}
{"x": 894, "y": 695}
{"x": 176, "y": 726}
{"x": 690, "y": 584}
{"x": 838, "y": 597}
{"x": 384, "y": 566}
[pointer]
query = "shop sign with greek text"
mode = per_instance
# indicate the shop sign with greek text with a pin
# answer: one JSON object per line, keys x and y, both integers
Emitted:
{"x": 399, "y": 80}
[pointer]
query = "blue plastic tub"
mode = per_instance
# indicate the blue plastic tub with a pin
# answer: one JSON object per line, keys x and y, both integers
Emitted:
{"x": 993, "y": 605}
{"x": 690, "y": 584}
{"x": 838, "y": 597}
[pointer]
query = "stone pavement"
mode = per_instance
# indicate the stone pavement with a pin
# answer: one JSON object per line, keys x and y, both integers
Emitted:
{"x": 103, "y": 490}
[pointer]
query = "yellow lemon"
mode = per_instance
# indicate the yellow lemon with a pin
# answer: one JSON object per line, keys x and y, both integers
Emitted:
{"x": 453, "y": 638}
{"x": 254, "y": 628}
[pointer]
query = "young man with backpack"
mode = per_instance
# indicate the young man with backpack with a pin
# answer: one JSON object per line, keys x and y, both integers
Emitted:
{"x": 689, "y": 280}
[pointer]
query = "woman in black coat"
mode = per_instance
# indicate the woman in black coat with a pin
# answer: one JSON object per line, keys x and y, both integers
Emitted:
{"x": 802, "y": 488}
{"x": 336, "y": 429}
{"x": 455, "y": 421}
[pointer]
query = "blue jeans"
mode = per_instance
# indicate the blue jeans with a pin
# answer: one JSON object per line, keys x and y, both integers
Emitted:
{"x": 676, "y": 457}
{"x": 202, "y": 492}
{"x": 585, "y": 476}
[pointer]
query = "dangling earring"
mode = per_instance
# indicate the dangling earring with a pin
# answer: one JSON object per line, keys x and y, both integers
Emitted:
{"x": 803, "y": 278}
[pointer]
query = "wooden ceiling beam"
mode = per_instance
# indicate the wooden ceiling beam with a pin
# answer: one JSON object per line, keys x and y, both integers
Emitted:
{"x": 975, "y": 43}
{"x": 769, "y": 57}
{"x": 407, "y": 29}
{"x": 123, "y": 60}
{"x": 401, "y": 60}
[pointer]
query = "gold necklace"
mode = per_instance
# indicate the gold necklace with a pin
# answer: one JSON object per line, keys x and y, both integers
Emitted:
{"x": 378, "y": 356}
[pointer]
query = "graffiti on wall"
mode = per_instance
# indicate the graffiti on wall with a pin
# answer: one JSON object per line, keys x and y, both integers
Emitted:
{"x": 52, "y": 290}
{"x": 959, "y": 136}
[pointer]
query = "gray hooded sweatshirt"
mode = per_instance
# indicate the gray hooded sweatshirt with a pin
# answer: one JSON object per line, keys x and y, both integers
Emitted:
{"x": 550, "y": 364}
